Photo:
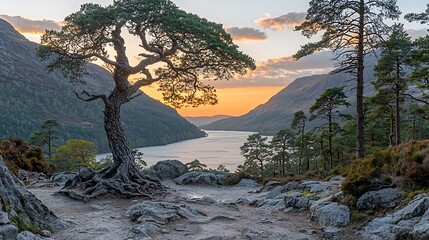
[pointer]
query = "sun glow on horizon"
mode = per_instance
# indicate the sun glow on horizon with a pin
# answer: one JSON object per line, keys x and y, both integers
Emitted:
{"x": 232, "y": 101}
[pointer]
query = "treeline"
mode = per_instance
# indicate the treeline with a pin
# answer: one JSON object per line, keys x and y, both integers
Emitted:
{"x": 397, "y": 113}
{"x": 146, "y": 123}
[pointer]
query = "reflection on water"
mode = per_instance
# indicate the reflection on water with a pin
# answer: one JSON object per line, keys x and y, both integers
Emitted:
{"x": 219, "y": 147}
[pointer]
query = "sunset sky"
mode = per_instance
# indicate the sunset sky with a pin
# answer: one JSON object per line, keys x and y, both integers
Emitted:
{"x": 262, "y": 28}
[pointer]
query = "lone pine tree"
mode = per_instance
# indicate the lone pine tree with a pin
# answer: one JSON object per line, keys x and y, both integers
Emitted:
{"x": 177, "y": 50}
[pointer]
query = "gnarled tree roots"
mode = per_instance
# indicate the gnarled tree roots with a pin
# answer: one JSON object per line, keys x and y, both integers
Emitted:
{"x": 128, "y": 183}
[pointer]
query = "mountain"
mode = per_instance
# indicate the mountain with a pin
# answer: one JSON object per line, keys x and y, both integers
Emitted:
{"x": 30, "y": 96}
{"x": 200, "y": 121}
{"x": 277, "y": 113}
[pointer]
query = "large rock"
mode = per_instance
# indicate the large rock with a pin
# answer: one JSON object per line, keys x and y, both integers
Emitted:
{"x": 201, "y": 178}
{"x": 331, "y": 215}
{"x": 23, "y": 205}
{"x": 161, "y": 212}
{"x": 63, "y": 177}
{"x": 384, "y": 198}
{"x": 244, "y": 182}
{"x": 411, "y": 219}
{"x": 8, "y": 231}
{"x": 414, "y": 209}
{"x": 170, "y": 169}
{"x": 150, "y": 216}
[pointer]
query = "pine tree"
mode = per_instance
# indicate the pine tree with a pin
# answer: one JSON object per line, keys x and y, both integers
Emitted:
{"x": 325, "y": 108}
{"x": 391, "y": 71}
{"x": 351, "y": 28}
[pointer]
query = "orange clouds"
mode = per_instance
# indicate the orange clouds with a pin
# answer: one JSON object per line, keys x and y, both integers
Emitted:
{"x": 246, "y": 34}
{"x": 24, "y": 25}
{"x": 291, "y": 19}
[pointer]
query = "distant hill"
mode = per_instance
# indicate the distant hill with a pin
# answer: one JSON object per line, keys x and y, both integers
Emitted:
{"x": 200, "y": 121}
{"x": 301, "y": 94}
{"x": 29, "y": 96}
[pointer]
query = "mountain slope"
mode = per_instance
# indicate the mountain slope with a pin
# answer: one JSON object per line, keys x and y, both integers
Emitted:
{"x": 200, "y": 121}
{"x": 301, "y": 94}
{"x": 30, "y": 96}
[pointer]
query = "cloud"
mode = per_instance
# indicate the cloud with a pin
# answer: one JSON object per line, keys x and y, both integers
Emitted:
{"x": 246, "y": 34}
{"x": 282, "y": 71}
{"x": 417, "y": 33}
{"x": 291, "y": 19}
{"x": 24, "y": 25}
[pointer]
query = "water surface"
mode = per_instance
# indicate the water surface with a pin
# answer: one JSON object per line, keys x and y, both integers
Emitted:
{"x": 219, "y": 147}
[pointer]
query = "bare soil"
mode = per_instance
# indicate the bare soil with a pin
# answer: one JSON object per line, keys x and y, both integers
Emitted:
{"x": 105, "y": 218}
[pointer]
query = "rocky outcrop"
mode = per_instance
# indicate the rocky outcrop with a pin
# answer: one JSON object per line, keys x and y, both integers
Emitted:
{"x": 384, "y": 198}
{"x": 244, "y": 182}
{"x": 170, "y": 169}
{"x": 331, "y": 214}
{"x": 412, "y": 219}
{"x": 19, "y": 205}
{"x": 203, "y": 178}
{"x": 151, "y": 217}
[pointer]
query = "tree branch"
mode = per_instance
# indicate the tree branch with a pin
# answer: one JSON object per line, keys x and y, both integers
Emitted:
{"x": 91, "y": 97}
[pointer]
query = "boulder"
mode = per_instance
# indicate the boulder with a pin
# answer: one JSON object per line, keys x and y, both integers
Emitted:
{"x": 8, "y": 231}
{"x": 331, "y": 215}
{"x": 204, "y": 178}
{"x": 170, "y": 169}
{"x": 272, "y": 205}
{"x": 382, "y": 230}
{"x": 414, "y": 209}
{"x": 384, "y": 198}
{"x": 244, "y": 182}
{"x": 63, "y": 177}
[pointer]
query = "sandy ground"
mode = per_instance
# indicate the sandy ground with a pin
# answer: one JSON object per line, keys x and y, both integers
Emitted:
{"x": 105, "y": 218}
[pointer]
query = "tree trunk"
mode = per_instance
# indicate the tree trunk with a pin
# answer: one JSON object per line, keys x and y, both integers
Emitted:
{"x": 360, "y": 85}
{"x": 122, "y": 178}
{"x": 302, "y": 145}
{"x": 391, "y": 120}
{"x": 331, "y": 154}
{"x": 122, "y": 157}
{"x": 398, "y": 104}
{"x": 22, "y": 207}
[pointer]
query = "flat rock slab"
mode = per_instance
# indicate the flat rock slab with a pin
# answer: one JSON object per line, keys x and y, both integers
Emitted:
{"x": 162, "y": 212}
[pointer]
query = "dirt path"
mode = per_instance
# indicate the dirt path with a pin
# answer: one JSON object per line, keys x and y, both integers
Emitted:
{"x": 105, "y": 219}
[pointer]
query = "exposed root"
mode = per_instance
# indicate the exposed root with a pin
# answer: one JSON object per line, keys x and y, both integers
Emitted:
{"x": 127, "y": 184}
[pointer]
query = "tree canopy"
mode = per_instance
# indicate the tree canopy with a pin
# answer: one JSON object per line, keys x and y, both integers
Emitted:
{"x": 178, "y": 49}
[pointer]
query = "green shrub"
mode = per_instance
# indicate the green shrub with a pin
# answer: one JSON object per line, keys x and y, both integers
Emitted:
{"x": 408, "y": 164}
